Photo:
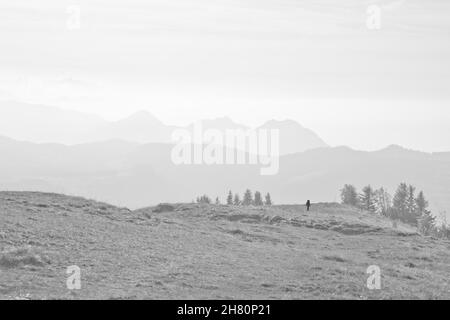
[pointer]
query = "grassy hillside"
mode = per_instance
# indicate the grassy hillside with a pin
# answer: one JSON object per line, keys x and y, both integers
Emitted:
{"x": 210, "y": 251}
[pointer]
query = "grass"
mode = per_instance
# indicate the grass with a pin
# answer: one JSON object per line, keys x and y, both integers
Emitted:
{"x": 15, "y": 257}
{"x": 192, "y": 251}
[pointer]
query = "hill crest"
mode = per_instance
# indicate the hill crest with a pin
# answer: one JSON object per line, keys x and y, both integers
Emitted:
{"x": 209, "y": 251}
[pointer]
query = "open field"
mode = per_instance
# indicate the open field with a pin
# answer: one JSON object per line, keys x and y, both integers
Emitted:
{"x": 193, "y": 251}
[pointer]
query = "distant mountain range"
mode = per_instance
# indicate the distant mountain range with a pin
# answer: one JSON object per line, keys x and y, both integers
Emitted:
{"x": 43, "y": 124}
{"x": 137, "y": 175}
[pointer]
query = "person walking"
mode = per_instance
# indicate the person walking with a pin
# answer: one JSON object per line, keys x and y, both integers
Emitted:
{"x": 308, "y": 205}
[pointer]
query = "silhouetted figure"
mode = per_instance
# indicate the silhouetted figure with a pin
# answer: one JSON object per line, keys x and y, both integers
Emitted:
{"x": 308, "y": 205}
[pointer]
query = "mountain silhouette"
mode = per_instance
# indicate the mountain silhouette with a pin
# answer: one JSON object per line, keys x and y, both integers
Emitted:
{"x": 294, "y": 137}
{"x": 137, "y": 175}
{"x": 46, "y": 124}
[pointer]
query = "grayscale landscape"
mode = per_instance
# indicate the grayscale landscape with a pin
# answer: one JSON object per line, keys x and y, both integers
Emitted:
{"x": 200, "y": 251}
{"x": 219, "y": 149}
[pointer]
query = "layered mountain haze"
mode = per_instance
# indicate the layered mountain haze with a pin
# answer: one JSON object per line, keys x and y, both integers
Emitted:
{"x": 221, "y": 124}
{"x": 44, "y": 124}
{"x": 276, "y": 149}
{"x": 137, "y": 175}
{"x": 40, "y": 123}
{"x": 304, "y": 139}
{"x": 141, "y": 127}
{"x": 129, "y": 162}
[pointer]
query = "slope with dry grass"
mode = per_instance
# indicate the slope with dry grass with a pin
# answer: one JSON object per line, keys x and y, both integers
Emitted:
{"x": 190, "y": 251}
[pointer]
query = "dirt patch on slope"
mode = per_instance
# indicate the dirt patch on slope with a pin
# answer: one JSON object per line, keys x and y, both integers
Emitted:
{"x": 16, "y": 257}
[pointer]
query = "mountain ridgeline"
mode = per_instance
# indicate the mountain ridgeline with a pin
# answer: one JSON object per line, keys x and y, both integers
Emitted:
{"x": 114, "y": 165}
{"x": 42, "y": 124}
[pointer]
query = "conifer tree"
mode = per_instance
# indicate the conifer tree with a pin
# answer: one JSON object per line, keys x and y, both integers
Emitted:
{"x": 237, "y": 200}
{"x": 349, "y": 195}
{"x": 367, "y": 199}
{"x": 399, "y": 203}
{"x": 230, "y": 198}
{"x": 411, "y": 207}
{"x": 426, "y": 222}
{"x": 204, "y": 199}
{"x": 248, "y": 198}
{"x": 268, "y": 201}
{"x": 258, "y": 199}
{"x": 421, "y": 203}
{"x": 383, "y": 202}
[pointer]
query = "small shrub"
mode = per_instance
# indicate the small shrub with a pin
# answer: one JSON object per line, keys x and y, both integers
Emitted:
{"x": 164, "y": 207}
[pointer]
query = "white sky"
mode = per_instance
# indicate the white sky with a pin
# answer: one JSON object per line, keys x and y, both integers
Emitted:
{"x": 314, "y": 61}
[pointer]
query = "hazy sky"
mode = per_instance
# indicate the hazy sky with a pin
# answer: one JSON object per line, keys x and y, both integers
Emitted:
{"x": 315, "y": 61}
